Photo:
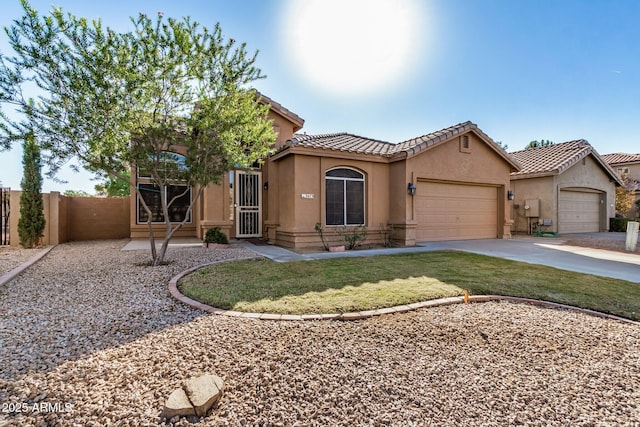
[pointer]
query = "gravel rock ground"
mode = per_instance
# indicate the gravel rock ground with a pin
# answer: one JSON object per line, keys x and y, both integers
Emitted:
{"x": 92, "y": 336}
{"x": 598, "y": 243}
{"x": 11, "y": 257}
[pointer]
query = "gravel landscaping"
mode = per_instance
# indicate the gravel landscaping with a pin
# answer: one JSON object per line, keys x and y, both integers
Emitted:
{"x": 90, "y": 334}
{"x": 610, "y": 244}
{"x": 11, "y": 257}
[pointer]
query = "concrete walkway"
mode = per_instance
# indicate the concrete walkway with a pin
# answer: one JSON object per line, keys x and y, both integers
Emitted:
{"x": 549, "y": 252}
{"x": 178, "y": 242}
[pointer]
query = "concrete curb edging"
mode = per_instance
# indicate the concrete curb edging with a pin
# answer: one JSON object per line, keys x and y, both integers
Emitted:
{"x": 173, "y": 290}
{"x": 12, "y": 274}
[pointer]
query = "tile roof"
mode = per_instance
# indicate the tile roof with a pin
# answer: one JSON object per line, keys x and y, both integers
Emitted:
{"x": 284, "y": 112}
{"x": 434, "y": 138}
{"x": 618, "y": 158}
{"x": 555, "y": 159}
{"x": 344, "y": 142}
{"x": 347, "y": 142}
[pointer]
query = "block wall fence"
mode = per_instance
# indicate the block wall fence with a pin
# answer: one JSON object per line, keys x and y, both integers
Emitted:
{"x": 70, "y": 219}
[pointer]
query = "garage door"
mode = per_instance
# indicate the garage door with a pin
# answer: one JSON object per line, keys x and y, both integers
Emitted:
{"x": 578, "y": 212}
{"x": 447, "y": 211}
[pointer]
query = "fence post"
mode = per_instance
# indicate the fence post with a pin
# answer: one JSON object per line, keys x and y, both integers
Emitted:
{"x": 632, "y": 236}
{"x": 5, "y": 210}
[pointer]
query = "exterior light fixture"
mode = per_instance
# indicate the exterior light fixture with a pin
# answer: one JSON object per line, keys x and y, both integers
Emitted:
{"x": 511, "y": 195}
{"x": 411, "y": 188}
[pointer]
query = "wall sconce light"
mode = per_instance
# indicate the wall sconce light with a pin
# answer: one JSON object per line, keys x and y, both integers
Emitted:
{"x": 411, "y": 188}
{"x": 265, "y": 186}
{"x": 511, "y": 195}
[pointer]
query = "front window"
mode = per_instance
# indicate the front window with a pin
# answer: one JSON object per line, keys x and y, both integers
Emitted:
{"x": 344, "y": 197}
{"x": 176, "y": 195}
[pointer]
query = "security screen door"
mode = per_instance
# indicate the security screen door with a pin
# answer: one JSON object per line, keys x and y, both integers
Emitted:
{"x": 248, "y": 204}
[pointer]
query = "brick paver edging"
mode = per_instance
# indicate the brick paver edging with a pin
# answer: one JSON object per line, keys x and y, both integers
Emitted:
{"x": 173, "y": 290}
{"x": 11, "y": 274}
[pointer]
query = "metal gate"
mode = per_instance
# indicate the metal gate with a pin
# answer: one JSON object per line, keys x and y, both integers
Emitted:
{"x": 248, "y": 204}
{"x": 5, "y": 194}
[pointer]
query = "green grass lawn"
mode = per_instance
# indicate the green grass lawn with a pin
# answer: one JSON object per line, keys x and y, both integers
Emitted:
{"x": 342, "y": 285}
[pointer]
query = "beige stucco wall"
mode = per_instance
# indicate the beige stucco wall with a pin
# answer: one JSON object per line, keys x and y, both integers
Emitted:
{"x": 634, "y": 169}
{"x": 541, "y": 189}
{"x": 214, "y": 210}
{"x": 449, "y": 162}
{"x": 302, "y": 198}
{"x": 386, "y": 198}
{"x": 585, "y": 174}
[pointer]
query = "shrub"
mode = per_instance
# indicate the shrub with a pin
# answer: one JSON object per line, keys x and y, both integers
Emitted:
{"x": 320, "y": 231}
{"x": 354, "y": 237}
{"x": 620, "y": 224}
{"x": 215, "y": 235}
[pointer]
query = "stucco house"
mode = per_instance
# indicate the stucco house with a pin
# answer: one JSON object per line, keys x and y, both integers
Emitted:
{"x": 446, "y": 185}
{"x": 563, "y": 188}
{"x": 626, "y": 165}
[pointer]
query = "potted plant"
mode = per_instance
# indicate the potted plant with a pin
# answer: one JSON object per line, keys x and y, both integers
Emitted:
{"x": 215, "y": 238}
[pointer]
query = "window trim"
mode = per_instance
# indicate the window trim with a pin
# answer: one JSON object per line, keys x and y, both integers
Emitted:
{"x": 166, "y": 193}
{"x": 148, "y": 181}
{"x": 177, "y": 157}
{"x": 623, "y": 170}
{"x": 344, "y": 201}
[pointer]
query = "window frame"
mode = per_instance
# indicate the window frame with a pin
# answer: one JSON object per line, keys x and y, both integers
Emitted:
{"x": 623, "y": 170}
{"x": 345, "y": 212}
{"x": 166, "y": 195}
{"x": 143, "y": 180}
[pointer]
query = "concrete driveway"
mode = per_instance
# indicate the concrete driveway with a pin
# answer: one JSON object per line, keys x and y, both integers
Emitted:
{"x": 553, "y": 253}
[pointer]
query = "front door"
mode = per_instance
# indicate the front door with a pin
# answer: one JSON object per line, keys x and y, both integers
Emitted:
{"x": 248, "y": 204}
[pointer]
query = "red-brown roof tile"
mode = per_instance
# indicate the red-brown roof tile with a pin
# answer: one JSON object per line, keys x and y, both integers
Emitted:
{"x": 555, "y": 159}
{"x": 343, "y": 142}
{"x": 284, "y": 112}
{"x": 358, "y": 144}
{"x": 620, "y": 158}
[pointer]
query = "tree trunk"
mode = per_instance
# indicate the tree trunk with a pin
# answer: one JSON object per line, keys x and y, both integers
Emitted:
{"x": 159, "y": 259}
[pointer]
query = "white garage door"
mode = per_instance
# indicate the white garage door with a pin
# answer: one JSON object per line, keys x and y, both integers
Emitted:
{"x": 578, "y": 212}
{"x": 447, "y": 211}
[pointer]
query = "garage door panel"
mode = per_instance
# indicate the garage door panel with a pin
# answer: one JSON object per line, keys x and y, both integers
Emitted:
{"x": 578, "y": 212}
{"x": 455, "y": 212}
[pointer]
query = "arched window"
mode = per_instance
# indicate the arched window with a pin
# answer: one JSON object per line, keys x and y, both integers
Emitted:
{"x": 344, "y": 197}
{"x": 177, "y": 195}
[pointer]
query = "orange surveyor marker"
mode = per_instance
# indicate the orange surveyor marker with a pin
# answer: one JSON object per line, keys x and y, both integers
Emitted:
{"x": 466, "y": 296}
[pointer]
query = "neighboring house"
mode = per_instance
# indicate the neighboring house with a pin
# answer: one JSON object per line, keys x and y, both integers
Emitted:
{"x": 626, "y": 165}
{"x": 567, "y": 188}
{"x": 446, "y": 185}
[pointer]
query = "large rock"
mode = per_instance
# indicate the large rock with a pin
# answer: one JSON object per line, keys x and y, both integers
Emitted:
{"x": 195, "y": 397}
{"x": 178, "y": 404}
{"x": 204, "y": 392}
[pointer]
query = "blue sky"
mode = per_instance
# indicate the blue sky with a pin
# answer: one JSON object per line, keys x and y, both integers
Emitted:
{"x": 521, "y": 70}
